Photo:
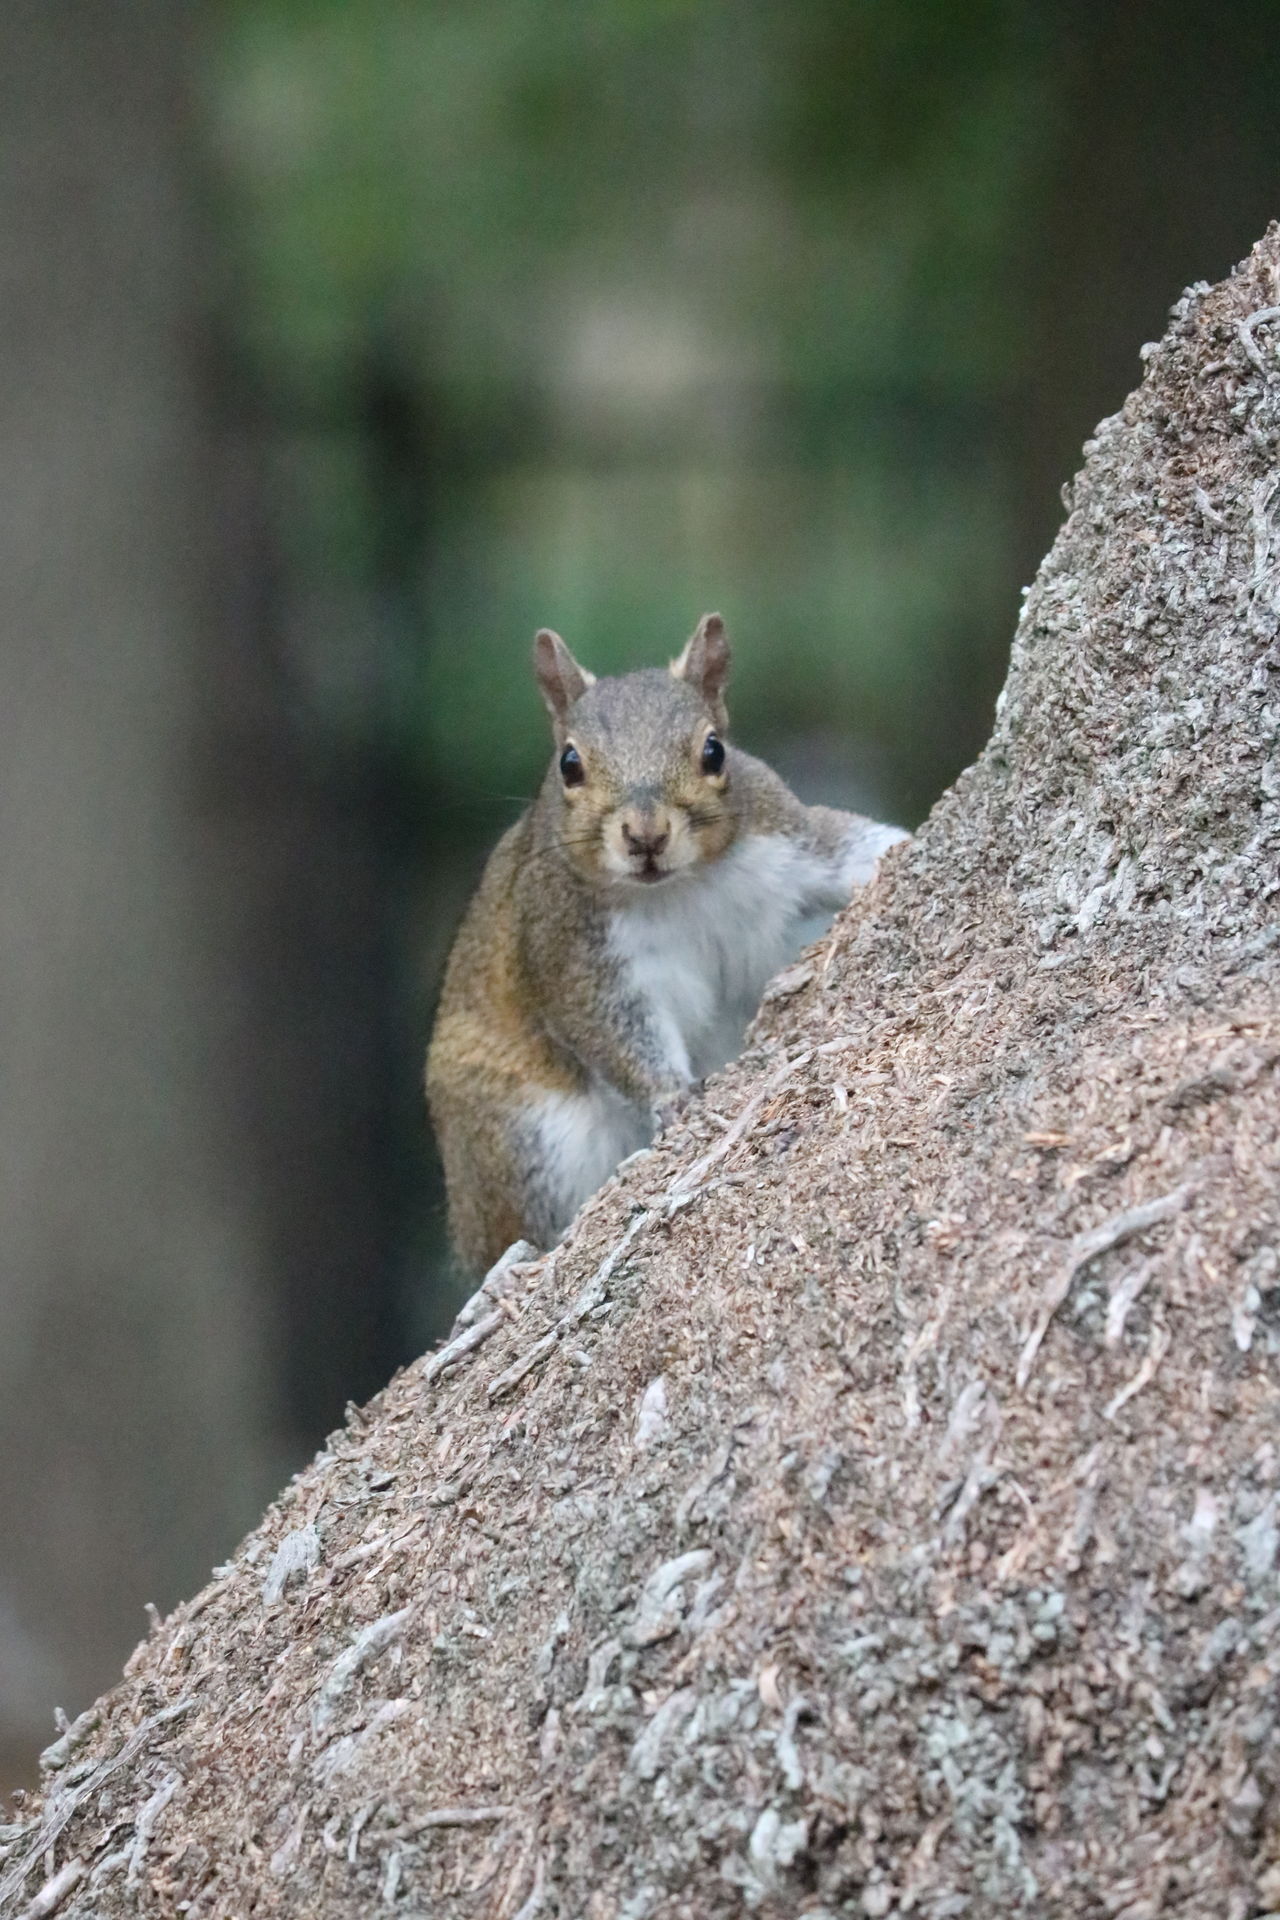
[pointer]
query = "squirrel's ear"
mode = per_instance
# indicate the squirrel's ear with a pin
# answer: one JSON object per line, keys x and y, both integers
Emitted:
{"x": 561, "y": 680}
{"x": 705, "y": 663}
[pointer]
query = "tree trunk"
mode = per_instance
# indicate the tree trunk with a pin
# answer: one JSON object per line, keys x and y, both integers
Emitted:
{"x": 133, "y": 1393}
{"x": 873, "y": 1506}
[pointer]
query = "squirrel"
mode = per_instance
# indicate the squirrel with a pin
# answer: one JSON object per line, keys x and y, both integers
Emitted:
{"x": 620, "y": 939}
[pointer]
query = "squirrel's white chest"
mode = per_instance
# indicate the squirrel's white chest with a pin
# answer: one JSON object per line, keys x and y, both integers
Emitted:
{"x": 698, "y": 954}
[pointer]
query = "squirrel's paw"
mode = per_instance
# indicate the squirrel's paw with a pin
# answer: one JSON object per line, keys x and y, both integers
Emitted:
{"x": 864, "y": 844}
{"x": 667, "y": 1110}
{"x": 497, "y": 1283}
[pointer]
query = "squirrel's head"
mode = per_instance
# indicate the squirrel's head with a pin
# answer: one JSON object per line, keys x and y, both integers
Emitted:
{"x": 640, "y": 781}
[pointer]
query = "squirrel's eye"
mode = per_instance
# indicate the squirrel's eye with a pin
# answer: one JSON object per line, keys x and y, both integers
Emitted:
{"x": 712, "y": 754}
{"x": 572, "y": 771}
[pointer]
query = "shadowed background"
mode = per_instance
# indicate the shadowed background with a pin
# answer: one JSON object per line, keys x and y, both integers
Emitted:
{"x": 344, "y": 347}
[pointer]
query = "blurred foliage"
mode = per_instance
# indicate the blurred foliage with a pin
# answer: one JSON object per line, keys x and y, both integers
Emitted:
{"x": 599, "y": 315}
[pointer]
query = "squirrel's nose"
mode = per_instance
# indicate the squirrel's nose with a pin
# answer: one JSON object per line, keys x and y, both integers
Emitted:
{"x": 645, "y": 837}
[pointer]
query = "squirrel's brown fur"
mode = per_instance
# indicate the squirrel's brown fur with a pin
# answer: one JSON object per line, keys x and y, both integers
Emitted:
{"x": 619, "y": 939}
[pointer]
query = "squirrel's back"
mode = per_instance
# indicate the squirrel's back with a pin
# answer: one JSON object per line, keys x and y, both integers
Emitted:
{"x": 485, "y": 1052}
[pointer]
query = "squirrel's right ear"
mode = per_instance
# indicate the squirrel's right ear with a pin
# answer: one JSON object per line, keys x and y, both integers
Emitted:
{"x": 705, "y": 663}
{"x": 561, "y": 680}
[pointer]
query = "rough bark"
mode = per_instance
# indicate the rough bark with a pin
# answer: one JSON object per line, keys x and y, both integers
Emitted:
{"x": 874, "y": 1506}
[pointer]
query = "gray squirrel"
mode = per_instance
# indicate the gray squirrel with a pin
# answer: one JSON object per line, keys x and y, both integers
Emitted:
{"x": 620, "y": 939}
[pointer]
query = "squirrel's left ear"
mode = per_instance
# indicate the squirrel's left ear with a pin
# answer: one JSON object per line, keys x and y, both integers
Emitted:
{"x": 705, "y": 664}
{"x": 561, "y": 680}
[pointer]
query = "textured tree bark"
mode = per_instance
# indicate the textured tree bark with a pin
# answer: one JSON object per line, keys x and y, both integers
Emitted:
{"x": 873, "y": 1507}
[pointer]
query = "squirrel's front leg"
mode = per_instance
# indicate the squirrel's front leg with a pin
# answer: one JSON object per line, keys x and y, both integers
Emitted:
{"x": 647, "y": 1060}
{"x": 620, "y": 1038}
{"x": 851, "y": 846}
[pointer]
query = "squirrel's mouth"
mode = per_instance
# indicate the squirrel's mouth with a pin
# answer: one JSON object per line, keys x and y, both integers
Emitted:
{"x": 645, "y": 853}
{"x": 646, "y": 873}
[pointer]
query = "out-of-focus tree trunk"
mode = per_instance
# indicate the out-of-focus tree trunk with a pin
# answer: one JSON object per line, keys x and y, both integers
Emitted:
{"x": 1165, "y": 168}
{"x": 873, "y": 1506}
{"x": 132, "y": 1414}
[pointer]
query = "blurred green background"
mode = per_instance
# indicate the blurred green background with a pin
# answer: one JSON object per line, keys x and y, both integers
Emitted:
{"x": 347, "y": 345}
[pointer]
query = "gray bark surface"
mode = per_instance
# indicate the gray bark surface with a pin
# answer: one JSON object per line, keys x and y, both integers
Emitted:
{"x": 873, "y": 1507}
